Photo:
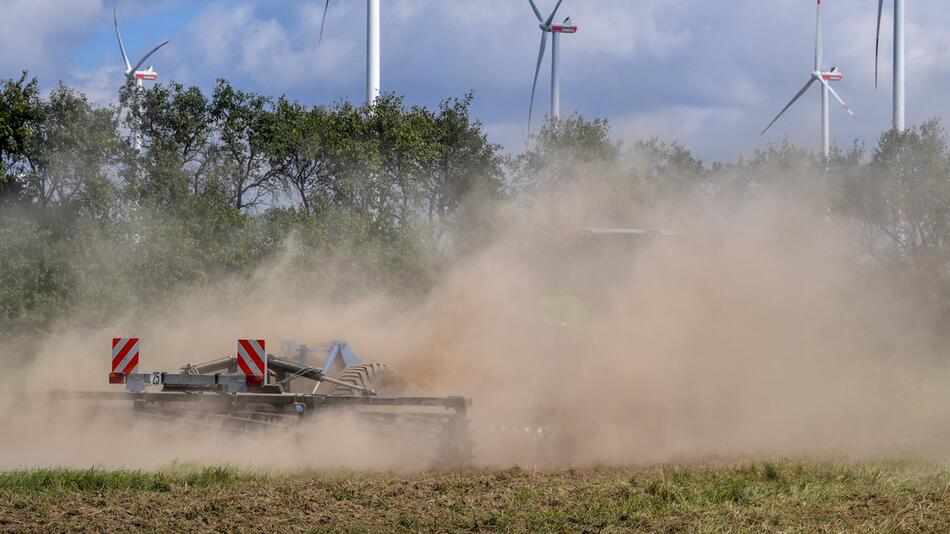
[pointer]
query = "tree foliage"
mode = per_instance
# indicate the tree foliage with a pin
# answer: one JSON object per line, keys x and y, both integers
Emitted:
{"x": 562, "y": 147}
{"x": 217, "y": 184}
{"x": 20, "y": 116}
{"x": 221, "y": 182}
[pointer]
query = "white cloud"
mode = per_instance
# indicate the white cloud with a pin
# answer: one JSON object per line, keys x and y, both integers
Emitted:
{"x": 272, "y": 53}
{"x": 38, "y": 34}
{"x": 101, "y": 85}
{"x": 708, "y": 73}
{"x": 624, "y": 29}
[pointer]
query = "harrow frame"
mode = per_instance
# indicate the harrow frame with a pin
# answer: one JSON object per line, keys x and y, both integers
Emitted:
{"x": 216, "y": 394}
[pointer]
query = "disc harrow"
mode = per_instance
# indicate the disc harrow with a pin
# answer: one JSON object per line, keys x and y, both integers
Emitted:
{"x": 257, "y": 393}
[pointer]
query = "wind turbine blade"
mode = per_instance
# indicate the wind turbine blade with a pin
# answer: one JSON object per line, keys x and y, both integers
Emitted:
{"x": 799, "y": 95}
{"x": 877, "y": 40}
{"x": 551, "y": 18}
{"x": 834, "y": 94}
{"x": 819, "y": 46}
{"x": 537, "y": 69}
{"x": 146, "y": 56}
{"x": 323, "y": 21}
{"x": 125, "y": 57}
{"x": 537, "y": 13}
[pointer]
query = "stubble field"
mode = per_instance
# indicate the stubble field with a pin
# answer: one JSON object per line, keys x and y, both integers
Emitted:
{"x": 755, "y": 497}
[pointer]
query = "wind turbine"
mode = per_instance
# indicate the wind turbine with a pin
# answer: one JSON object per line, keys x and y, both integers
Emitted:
{"x": 372, "y": 47}
{"x": 899, "y": 57}
{"x": 823, "y": 77}
{"x": 547, "y": 26}
{"x": 133, "y": 74}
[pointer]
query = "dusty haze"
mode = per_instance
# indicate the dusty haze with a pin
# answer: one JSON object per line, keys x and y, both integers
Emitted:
{"x": 754, "y": 333}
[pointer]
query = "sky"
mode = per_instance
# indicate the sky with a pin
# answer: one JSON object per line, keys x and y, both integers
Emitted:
{"x": 710, "y": 74}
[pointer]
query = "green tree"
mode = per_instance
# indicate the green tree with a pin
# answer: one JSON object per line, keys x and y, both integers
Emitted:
{"x": 465, "y": 161}
{"x": 20, "y": 117}
{"x": 670, "y": 168}
{"x": 178, "y": 129}
{"x": 906, "y": 195}
{"x": 70, "y": 156}
{"x": 561, "y": 147}
{"x": 401, "y": 137}
{"x": 301, "y": 154}
{"x": 246, "y": 123}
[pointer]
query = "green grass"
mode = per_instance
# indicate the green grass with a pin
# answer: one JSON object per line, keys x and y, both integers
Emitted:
{"x": 768, "y": 497}
{"x": 97, "y": 480}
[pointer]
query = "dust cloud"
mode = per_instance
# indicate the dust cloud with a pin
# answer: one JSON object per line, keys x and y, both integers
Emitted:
{"x": 758, "y": 333}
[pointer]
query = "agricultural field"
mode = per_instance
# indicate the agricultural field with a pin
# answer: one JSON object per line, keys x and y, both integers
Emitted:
{"x": 759, "y": 497}
{"x": 342, "y": 311}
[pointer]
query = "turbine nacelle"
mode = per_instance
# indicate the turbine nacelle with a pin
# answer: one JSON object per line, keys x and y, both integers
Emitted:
{"x": 834, "y": 75}
{"x": 147, "y": 74}
{"x": 565, "y": 27}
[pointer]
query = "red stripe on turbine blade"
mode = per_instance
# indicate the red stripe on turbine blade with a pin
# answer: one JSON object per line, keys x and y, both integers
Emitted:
{"x": 258, "y": 359}
{"x": 131, "y": 366}
{"x": 115, "y": 341}
{"x": 244, "y": 368}
{"x": 123, "y": 352}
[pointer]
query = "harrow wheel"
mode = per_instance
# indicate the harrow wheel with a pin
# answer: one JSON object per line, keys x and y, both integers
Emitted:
{"x": 455, "y": 444}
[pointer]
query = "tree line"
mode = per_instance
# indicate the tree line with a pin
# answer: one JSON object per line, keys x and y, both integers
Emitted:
{"x": 104, "y": 206}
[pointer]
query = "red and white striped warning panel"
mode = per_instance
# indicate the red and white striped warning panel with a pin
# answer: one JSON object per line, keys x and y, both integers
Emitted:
{"x": 252, "y": 360}
{"x": 125, "y": 358}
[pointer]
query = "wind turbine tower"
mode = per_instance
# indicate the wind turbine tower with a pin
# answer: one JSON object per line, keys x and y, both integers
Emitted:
{"x": 547, "y": 25}
{"x": 899, "y": 60}
{"x": 372, "y": 50}
{"x": 372, "y": 47}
